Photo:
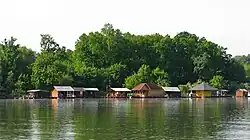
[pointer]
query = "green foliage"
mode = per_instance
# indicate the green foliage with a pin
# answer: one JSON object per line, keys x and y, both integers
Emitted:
{"x": 14, "y": 61}
{"x": 142, "y": 76}
{"x": 48, "y": 43}
{"x": 1, "y": 77}
{"x": 131, "y": 81}
{"x": 199, "y": 81}
{"x": 218, "y": 82}
{"x": 110, "y": 58}
{"x": 185, "y": 89}
{"x": 245, "y": 62}
{"x": 245, "y": 86}
{"x": 146, "y": 75}
{"x": 66, "y": 80}
{"x": 247, "y": 71}
{"x": 116, "y": 73}
{"x": 51, "y": 65}
{"x": 21, "y": 86}
{"x": 160, "y": 77}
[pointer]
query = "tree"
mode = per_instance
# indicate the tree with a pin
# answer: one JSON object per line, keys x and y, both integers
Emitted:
{"x": 218, "y": 82}
{"x": 1, "y": 79}
{"x": 10, "y": 81}
{"x": 48, "y": 43}
{"x": 146, "y": 75}
{"x": 185, "y": 89}
{"x": 14, "y": 61}
{"x": 116, "y": 74}
{"x": 199, "y": 81}
{"x": 131, "y": 81}
{"x": 142, "y": 76}
{"x": 21, "y": 86}
{"x": 160, "y": 77}
{"x": 66, "y": 80}
{"x": 111, "y": 58}
{"x": 51, "y": 65}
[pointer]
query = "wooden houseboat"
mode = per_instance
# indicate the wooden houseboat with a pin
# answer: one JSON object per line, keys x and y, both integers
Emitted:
{"x": 90, "y": 92}
{"x": 38, "y": 94}
{"x": 203, "y": 90}
{"x": 241, "y": 93}
{"x": 118, "y": 92}
{"x": 79, "y": 92}
{"x": 148, "y": 90}
{"x": 62, "y": 92}
{"x": 172, "y": 92}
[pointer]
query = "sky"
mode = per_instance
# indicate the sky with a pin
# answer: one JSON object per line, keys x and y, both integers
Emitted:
{"x": 225, "y": 22}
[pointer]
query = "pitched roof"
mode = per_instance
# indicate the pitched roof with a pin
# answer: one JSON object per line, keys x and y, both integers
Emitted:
{"x": 120, "y": 89}
{"x": 78, "y": 88}
{"x": 204, "y": 87}
{"x": 63, "y": 88}
{"x": 91, "y": 89}
{"x": 172, "y": 89}
{"x": 242, "y": 90}
{"x": 146, "y": 86}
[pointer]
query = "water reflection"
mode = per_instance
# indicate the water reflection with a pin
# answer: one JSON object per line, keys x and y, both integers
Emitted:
{"x": 125, "y": 119}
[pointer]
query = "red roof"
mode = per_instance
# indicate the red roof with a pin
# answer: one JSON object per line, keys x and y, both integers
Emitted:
{"x": 146, "y": 86}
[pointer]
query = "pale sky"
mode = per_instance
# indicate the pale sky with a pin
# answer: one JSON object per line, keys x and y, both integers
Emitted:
{"x": 225, "y": 22}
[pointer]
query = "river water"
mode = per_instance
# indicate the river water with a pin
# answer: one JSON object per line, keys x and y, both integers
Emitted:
{"x": 125, "y": 119}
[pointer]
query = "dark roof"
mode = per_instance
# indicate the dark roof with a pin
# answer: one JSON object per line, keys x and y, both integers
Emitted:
{"x": 147, "y": 86}
{"x": 78, "y": 88}
{"x": 204, "y": 87}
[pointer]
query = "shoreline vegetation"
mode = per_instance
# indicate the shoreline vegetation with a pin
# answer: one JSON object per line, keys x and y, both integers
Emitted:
{"x": 111, "y": 58}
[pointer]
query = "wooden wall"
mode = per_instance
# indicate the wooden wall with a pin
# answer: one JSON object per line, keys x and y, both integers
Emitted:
{"x": 201, "y": 93}
{"x": 54, "y": 94}
{"x": 239, "y": 93}
{"x": 156, "y": 93}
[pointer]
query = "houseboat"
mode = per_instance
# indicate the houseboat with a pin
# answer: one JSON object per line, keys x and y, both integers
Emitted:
{"x": 148, "y": 90}
{"x": 241, "y": 93}
{"x": 172, "y": 92}
{"x": 118, "y": 92}
{"x": 62, "y": 92}
{"x": 203, "y": 90}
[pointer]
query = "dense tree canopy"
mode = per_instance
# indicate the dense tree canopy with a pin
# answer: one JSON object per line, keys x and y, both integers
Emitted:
{"x": 15, "y": 68}
{"x": 52, "y": 64}
{"x": 110, "y": 58}
{"x": 245, "y": 61}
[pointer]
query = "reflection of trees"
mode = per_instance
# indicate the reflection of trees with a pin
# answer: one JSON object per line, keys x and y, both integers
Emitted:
{"x": 155, "y": 118}
{"x": 54, "y": 117}
{"x": 118, "y": 118}
{"x": 46, "y": 115}
{"x": 14, "y": 119}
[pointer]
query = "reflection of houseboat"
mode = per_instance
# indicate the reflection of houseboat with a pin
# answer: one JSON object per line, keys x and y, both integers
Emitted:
{"x": 118, "y": 92}
{"x": 172, "y": 92}
{"x": 148, "y": 90}
{"x": 203, "y": 90}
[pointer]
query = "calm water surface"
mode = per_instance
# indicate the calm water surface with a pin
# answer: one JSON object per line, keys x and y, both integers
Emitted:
{"x": 125, "y": 119}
